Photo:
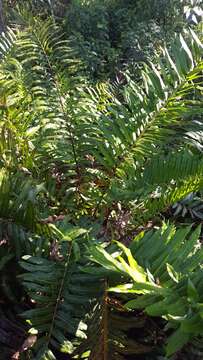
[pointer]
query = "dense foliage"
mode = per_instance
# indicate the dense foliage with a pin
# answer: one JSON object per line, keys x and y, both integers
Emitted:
{"x": 101, "y": 140}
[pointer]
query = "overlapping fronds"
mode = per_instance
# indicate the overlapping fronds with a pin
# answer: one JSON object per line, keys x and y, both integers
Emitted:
{"x": 12, "y": 334}
{"x": 189, "y": 207}
{"x": 164, "y": 181}
{"x": 96, "y": 144}
{"x": 39, "y": 94}
{"x": 40, "y": 74}
{"x": 109, "y": 329}
{"x": 119, "y": 139}
{"x": 65, "y": 151}
{"x": 165, "y": 272}
{"x": 153, "y": 110}
{"x": 21, "y": 225}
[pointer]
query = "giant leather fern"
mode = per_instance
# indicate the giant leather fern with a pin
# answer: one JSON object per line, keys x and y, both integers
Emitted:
{"x": 79, "y": 154}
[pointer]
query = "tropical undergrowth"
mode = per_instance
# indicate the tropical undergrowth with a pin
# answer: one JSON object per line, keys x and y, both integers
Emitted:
{"x": 101, "y": 193}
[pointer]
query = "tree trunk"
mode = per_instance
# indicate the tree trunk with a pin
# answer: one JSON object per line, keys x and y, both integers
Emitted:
{"x": 2, "y": 26}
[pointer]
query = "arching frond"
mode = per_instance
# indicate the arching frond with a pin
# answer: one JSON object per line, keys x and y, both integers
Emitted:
{"x": 121, "y": 138}
{"x": 108, "y": 335}
{"x": 164, "y": 270}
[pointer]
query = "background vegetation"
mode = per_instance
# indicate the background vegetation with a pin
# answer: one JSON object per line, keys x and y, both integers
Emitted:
{"x": 101, "y": 180}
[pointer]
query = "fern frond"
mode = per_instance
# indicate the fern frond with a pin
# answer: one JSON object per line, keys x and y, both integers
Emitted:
{"x": 171, "y": 287}
{"x": 167, "y": 197}
{"x": 120, "y": 139}
{"x": 7, "y": 43}
{"x": 191, "y": 206}
{"x": 152, "y": 112}
{"x": 20, "y": 218}
{"x": 39, "y": 80}
{"x": 108, "y": 333}
{"x": 164, "y": 181}
{"x": 56, "y": 287}
{"x": 12, "y": 333}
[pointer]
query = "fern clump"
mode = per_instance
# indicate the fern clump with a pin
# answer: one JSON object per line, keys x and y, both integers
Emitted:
{"x": 84, "y": 163}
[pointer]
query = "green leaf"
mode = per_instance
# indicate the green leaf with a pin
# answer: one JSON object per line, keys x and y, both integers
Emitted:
{"x": 136, "y": 271}
{"x": 172, "y": 273}
{"x": 192, "y": 292}
{"x": 176, "y": 341}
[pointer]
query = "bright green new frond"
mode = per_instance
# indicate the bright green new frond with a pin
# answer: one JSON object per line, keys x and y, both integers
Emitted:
{"x": 171, "y": 260}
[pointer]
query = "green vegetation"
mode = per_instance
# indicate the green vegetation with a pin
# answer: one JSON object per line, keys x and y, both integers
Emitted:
{"x": 101, "y": 180}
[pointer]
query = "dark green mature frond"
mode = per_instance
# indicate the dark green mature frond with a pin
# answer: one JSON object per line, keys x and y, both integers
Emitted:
{"x": 62, "y": 295}
{"x": 121, "y": 137}
{"x": 21, "y": 224}
{"x": 12, "y": 333}
{"x": 163, "y": 169}
{"x": 108, "y": 335}
{"x": 166, "y": 122}
{"x": 164, "y": 181}
{"x": 148, "y": 118}
{"x": 166, "y": 197}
